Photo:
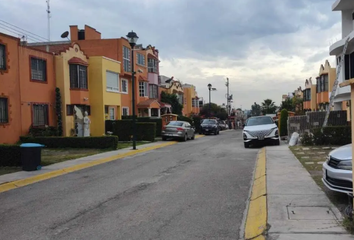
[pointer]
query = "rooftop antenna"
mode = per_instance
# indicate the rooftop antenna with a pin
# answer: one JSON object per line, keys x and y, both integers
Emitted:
{"x": 48, "y": 16}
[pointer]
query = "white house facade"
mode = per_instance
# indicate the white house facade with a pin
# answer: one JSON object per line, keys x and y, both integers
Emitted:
{"x": 346, "y": 7}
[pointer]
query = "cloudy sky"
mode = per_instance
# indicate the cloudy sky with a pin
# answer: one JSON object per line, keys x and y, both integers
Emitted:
{"x": 266, "y": 48}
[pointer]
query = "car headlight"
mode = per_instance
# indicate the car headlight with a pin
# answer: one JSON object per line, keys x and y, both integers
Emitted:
{"x": 345, "y": 165}
{"x": 244, "y": 136}
{"x": 277, "y": 133}
{"x": 327, "y": 159}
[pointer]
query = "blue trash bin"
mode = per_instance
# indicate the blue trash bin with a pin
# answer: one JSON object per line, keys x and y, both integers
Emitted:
{"x": 31, "y": 156}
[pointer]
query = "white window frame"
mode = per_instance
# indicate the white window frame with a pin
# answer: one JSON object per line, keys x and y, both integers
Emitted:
{"x": 139, "y": 57}
{"x": 111, "y": 89}
{"x": 145, "y": 89}
{"x": 126, "y": 59}
{"x": 127, "y": 109}
{"x": 121, "y": 87}
{"x": 109, "y": 113}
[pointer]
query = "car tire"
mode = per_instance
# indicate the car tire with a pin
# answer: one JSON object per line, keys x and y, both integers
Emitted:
{"x": 216, "y": 132}
{"x": 247, "y": 145}
{"x": 185, "y": 138}
{"x": 277, "y": 142}
{"x": 193, "y": 137}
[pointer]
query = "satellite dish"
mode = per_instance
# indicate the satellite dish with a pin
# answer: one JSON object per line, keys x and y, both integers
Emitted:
{"x": 65, "y": 34}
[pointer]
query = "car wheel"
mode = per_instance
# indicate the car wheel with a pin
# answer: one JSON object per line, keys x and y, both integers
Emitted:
{"x": 193, "y": 137}
{"x": 216, "y": 132}
{"x": 185, "y": 138}
{"x": 277, "y": 142}
{"x": 247, "y": 145}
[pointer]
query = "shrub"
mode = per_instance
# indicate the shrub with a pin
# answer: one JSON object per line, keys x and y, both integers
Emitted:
{"x": 306, "y": 139}
{"x": 74, "y": 142}
{"x": 10, "y": 155}
{"x": 124, "y": 130}
{"x": 186, "y": 119}
{"x": 158, "y": 122}
{"x": 43, "y": 131}
{"x": 283, "y": 122}
{"x": 332, "y": 135}
{"x": 196, "y": 123}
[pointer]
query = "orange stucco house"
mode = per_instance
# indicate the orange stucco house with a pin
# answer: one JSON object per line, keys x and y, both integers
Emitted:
{"x": 27, "y": 89}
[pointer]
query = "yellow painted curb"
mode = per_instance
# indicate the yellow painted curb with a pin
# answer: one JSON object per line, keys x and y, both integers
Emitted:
{"x": 23, "y": 182}
{"x": 256, "y": 219}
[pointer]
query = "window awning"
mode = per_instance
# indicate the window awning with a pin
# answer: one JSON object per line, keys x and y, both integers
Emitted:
{"x": 79, "y": 61}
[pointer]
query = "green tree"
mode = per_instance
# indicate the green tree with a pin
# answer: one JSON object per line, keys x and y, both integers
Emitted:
{"x": 288, "y": 105}
{"x": 255, "y": 109}
{"x": 268, "y": 107}
{"x": 215, "y": 111}
{"x": 173, "y": 100}
{"x": 283, "y": 122}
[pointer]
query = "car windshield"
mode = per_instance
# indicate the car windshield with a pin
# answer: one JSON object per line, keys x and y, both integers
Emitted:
{"x": 209, "y": 121}
{"x": 174, "y": 123}
{"x": 259, "y": 121}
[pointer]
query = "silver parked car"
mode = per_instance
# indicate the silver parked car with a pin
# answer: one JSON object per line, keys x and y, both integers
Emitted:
{"x": 178, "y": 129}
{"x": 337, "y": 170}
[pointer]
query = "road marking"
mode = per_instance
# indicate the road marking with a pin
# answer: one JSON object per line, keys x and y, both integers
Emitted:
{"x": 256, "y": 219}
{"x": 30, "y": 180}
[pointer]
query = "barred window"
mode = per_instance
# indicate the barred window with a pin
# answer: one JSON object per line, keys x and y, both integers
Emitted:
{"x": 2, "y": 57}
{"x": 4, "y": 110}
{"x": 78, "y": 76}
{"x": 38, "y": 69}
{"x": 126, "y": 59}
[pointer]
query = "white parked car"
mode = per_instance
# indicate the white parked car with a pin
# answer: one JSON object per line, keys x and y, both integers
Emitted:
{"x": 337, "y": 170}
{"x": 260, "y": 129}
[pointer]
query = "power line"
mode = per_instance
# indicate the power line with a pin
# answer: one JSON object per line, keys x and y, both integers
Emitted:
{"x": 28, "y": 32}
{"x": 20, "y": 33}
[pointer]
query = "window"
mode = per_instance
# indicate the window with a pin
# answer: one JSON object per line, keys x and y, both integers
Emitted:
{"x": 143, "y": 86}
{"x": 124, "y": 86}
{"x": 4, "y": 110}
{"x": 78, "y": 76}
{"x": 153, "y": 91}
{"x": 112, "y": 81}
{"x": 194, "y": 102}
{"x": 40, "y": 115}
{"x": 2, "y": 57}
{"x": 307, "y": 94}
{"x": 112, "y": 114}
{"x": 152, "y": 65}
{"x": 126, "y": 59}
{"x": 38, "y": 69}
{"x": 125, "y": 111}
{"x": 140, "y": 59}
{"x": 154, "y": 112}
{"x": 83, "y": 108}
{"x": 325, "y": 82}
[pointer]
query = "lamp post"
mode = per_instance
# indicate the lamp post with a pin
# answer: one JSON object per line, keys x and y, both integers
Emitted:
{"x": 133, "y": 38}
{"x": 209, "y": 87}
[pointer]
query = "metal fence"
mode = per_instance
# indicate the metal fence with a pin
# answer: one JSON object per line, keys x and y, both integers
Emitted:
{"x": 305, "y": 123}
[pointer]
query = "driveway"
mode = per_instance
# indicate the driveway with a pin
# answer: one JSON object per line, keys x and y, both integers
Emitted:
{"x": 191, "y": 190}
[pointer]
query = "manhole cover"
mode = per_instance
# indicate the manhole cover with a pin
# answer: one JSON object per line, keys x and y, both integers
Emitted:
{"x": 310, "y": 213}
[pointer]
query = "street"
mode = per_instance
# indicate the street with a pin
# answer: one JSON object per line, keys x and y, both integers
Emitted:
{"x": 191, "y": 190}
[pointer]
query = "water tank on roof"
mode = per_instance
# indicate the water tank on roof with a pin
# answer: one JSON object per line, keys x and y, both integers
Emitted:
{"x": 81, "y": 34}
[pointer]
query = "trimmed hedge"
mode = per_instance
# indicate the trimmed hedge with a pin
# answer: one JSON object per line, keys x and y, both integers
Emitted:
{"x": 74, "y": 142}
{"x": 158, "y": 122}
{"x": 145, "y": 131}
{"x": 284, "y": 122}
{"x": 331, "y": 135}
{"x": 43, "y": 131}
{"x": 10, "y": 155}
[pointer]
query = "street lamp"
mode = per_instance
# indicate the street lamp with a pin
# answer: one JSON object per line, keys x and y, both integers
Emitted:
{"x": 209, "y": 87}
{"x": 133, "y": 38}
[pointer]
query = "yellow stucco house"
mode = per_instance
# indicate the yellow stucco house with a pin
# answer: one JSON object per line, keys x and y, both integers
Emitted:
{"x": 309, "y": 96}
{"x": 105, "y": 92}
{"x": 191, "y": 102}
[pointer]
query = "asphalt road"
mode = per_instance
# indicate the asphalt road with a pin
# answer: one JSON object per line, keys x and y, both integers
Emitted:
{"x": 192, "y": 190}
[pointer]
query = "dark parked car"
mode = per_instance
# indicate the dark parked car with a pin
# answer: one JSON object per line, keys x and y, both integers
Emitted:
{"x": 178, "y": 129}
{"x": 209, "y": 126}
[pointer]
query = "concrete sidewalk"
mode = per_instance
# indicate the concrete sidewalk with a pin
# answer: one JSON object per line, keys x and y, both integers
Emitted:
{"x": 71, "y": 163}
{"x": 297, "y": 207}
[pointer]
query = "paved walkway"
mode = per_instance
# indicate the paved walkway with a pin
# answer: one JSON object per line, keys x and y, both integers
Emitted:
{"x": 70, "y": 163}
{"x": 297, "y": 207}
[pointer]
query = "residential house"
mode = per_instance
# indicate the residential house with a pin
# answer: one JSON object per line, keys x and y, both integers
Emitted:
{"x": 309, "y": 96}
{"x": 105, "y": 92}
{"x": 191, "y": 106}
{"x": 172, "y": 86}
{"x": 298, "y": 98}
{"x": 346, "y": 7}
{"x": 72, "y": 78}
{"x": 324, "y": 85}
{"x": 27, "y": 89}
